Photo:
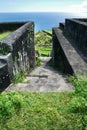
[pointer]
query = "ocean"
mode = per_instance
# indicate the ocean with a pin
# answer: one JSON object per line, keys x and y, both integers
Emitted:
{"x": 42, "y": 20}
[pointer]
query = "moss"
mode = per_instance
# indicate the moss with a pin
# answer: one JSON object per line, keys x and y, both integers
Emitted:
{"x": 4, "y": 34}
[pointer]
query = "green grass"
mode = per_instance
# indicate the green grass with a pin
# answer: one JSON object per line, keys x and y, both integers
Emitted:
{"x": 78, "y": 103}
{"x": 19, "y": 77}
{"x": 45, "y": 111}
{"x": 38, "y": 62}
{"x": 4, "y": 34}
{"x": 43, "y": 42}
{"x": 49, "y": 31}
{"x": 36, "y": 111}
{"x": 44, "y": 51}
{"x": 80, "y": 83}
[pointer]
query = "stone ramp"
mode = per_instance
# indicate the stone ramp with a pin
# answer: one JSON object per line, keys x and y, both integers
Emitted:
{"x": 43, "y": 79}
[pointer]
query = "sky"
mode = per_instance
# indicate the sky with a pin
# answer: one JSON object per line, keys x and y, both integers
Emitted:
{"x": 78, "y": 6}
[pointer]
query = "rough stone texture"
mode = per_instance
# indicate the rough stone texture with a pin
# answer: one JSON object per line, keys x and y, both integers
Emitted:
{"x": 4, "y": 77}
{"x": 7, "y": 59}
{"x": 20, "y": 49}
{"x": 77, "y": 28}
{"x": 82, "y": 19}
{"x": 64, "y": 54}
{"x": 10, "y": 26}
{"x": 62, "y": 25}
{"x": 43, "y": 79}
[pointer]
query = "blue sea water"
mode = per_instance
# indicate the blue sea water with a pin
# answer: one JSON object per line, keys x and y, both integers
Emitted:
{"x": 42, "y": 20}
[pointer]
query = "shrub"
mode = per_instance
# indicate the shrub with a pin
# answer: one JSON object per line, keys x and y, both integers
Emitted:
{"x": 80, "y": 84}
{"x": 9, "y": 104}
{"x": 78, "y": 104}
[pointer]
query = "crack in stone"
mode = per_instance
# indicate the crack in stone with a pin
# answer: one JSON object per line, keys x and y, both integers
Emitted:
{"x": 40, "y": 76}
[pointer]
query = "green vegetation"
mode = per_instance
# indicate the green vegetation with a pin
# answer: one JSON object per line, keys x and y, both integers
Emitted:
{"x": 19, "y": 77}
{"x": 4, "y": 52}
{"x": 4, "y": 34}
{"x": 80, "y": 83}
{"x": 43, "y": 43}
{"x": 78, "y": 103}
{"x": 37, "y": 111}
{"x": 49, "y": 31}
{"x": 38, "y": 62}
{"x": 44, "y": 51}
{"x": 46, "y": 111}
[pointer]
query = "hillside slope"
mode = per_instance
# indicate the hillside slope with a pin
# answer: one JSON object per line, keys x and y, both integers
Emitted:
{"x": 43, "y": 43}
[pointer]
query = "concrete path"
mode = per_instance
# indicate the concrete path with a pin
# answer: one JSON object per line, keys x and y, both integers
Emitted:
{"x": 43, "y": 79}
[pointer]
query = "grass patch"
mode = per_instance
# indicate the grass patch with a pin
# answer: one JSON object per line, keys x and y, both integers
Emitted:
{"x": 4, "y": 34}
{"x": 78, "y": 104}
{"x": 38, "y": 62}
{"x": 43, "y": 43}
{"x": 46, "y": 111}
{"x": 19, "y": 77}
{"x": 49, "y": 31}
{"x": 37, "y": 111}
{"x": 44, "y": 51}
{"x": 80, "y": 83}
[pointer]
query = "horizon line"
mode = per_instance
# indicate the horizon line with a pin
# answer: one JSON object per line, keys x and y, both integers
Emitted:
{"x": 44, "y": 12}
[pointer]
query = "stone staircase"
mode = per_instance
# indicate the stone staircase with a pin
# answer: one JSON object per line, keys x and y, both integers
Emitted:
{"x": 43, "y": 79}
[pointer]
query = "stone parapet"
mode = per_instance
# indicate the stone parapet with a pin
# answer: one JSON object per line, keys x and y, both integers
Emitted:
{"x": 77, "y": 28}
{"x": 19, "y": 48}
{"x": 66, "y": 56}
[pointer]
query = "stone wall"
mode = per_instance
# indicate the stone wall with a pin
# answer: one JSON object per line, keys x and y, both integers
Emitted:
{"x": 70, "y": 46}
{"x": 10, "y": 26}
{"x": 65, "y": 55}
{"x": 81, "y": 19}
{"x": 19, "y": 46}
{"x": 4, "y": 78}
{"x": 77, "y": 28}
{"x": 59, "y": 57}
{"x": 62, "y": 26}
